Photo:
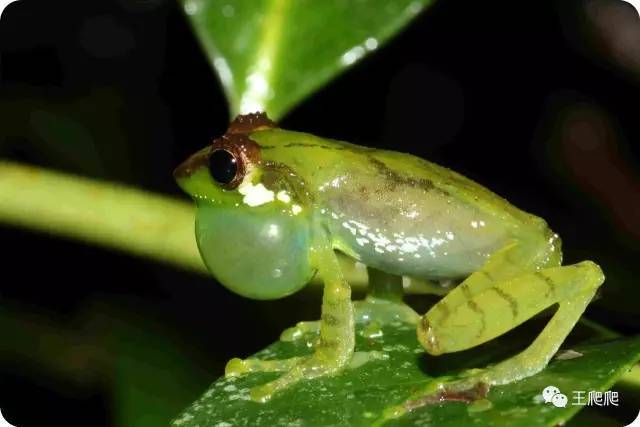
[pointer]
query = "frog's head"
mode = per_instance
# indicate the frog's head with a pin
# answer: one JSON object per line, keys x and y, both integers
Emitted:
{"x": 251, "y": 225}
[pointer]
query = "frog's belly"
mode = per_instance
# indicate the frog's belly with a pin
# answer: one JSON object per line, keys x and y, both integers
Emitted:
{"x": 436, "y": 246}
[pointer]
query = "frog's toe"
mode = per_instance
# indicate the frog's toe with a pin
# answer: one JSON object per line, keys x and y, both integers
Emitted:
{"x": 301, "y": 330}
{"x": 302, "y": 368}
{"x": 236, "y": 367}
{"x": 384, "y": 311}
{"x": 261, "y": 393}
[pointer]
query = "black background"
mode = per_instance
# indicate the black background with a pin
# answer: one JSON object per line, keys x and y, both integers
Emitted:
{"x": 485, "y": 88}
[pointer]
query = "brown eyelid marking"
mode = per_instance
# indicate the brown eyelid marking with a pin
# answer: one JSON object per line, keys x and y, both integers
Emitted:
{"x": 237, "y": 142}
{"x": 247, "y": 123}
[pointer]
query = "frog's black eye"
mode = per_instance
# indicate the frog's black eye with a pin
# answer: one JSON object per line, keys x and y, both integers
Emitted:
{"x": 223, "y": 166}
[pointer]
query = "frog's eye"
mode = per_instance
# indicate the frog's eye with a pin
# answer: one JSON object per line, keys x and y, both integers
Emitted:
{"x": 223, "y": 167}
{"x": 230, "y": 158}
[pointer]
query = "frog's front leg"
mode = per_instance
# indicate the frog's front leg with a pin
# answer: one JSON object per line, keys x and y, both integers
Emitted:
{"x": 493, "y": 302}
{"x": 336, "y": 342}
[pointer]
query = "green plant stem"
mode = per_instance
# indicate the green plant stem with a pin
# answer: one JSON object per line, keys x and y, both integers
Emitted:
{"x": 106, "y": 214}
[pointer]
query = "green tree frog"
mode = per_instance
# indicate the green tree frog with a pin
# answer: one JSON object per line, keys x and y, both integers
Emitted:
{"x": 274, "y": 207}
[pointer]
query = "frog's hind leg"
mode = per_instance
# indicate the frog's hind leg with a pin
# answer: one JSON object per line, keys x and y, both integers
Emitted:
{"x": 502, "y": 306}
{"x": 512, "y": 260}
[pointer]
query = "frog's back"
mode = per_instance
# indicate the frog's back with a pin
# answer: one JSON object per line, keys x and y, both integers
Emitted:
{"x": 400, "y": 213}
{"x": 457, "y": 186}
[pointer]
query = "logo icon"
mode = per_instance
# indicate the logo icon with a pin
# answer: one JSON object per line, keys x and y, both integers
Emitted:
{"x": 3, "y": 5}
{"x": 3, "y": 422}
{"x": 635, "y": 4}
{"x": 634, "y": 423}
{"x": 551, "y": 394}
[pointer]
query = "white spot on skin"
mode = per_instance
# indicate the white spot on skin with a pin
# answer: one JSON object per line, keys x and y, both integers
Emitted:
{"x": 273, "y": 231}
{"x": 349, "y": 227}
{"x": 362, "y": 241}
{"x": 408, "y": 247}
{"x": 413, "y": 214}
{"x": 362, "y": 229}
{"x": 255, "y": 195}
{"x": 283, "y": 197}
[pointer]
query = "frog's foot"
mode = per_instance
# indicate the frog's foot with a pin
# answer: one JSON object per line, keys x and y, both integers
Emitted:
{"x": 384, "y": 311}
{"x": 295, "y": 369}
{"x": 236, "y": 367}
{"x": 301, "y": 330}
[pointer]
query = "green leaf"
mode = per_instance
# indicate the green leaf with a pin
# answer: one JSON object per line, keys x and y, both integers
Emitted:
{"x": 360, "y": 396}
{"x": 271, "y": 54}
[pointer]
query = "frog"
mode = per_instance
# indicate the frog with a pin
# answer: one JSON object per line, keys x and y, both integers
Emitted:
{"x": 276, "y": 208}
